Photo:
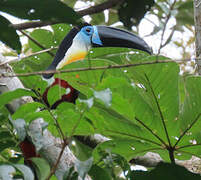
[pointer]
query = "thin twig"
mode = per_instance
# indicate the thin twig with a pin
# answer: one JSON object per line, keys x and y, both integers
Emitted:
{"x": 37, "y": 43}
{"x": 165, "y": 24}
{"x": 2, "y": 75}
{"x": 187, "y": 129}
{"x": 154, "y": 134}
{"x": 159, "y": 109}
{"x": 30, "y": 55}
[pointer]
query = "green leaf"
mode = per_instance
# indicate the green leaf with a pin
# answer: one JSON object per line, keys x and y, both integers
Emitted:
{"x": 4, "y": 134}
{"x": 80, "y": 150}
{"x": 71, "y": 174}
{"x": 34, "y": 10}
{"x": 125, "y": 147}
{"x": 8, "y": 35}
{"x": 185, "y": 13}
{"x": 27, "y": 108}
{"x": 5, "y": 171}
{"x": 60, "y": 31}
{"x": 99, "y": 173}
{"x": 42, "y": 168}
{"x": 71, "y": 120}
{"x": 7, "y": 144}
{"x": 44, "y": 37}
{"x": 11, "y": 95}
{"x": 98, "y": 18}
{"x": 190, "y": 119}
{"x": 171, "y": 171}
{"x": 26, "y": 171}
{"x": 3, "y": 115}
{"x": 41, "y": 114}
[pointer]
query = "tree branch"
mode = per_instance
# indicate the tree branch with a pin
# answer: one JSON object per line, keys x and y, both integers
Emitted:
{"x": 100, "y": 7}
{"x": 84, "y": 69}
{"x": 30, "y": 55}
{"x": 165, "y": 25}
{"x": 91, "y": 10}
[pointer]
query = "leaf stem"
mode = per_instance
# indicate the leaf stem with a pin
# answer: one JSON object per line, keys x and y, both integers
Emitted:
{"x": 154, "y": 134}
{"x": 159, "y": 109}
{"x": 187, "y": 129}
{"x": 135, "y": 137}
{"x": 192, "y": 154}
{"x": 171, "y": 154}
{"x": 186, "y": 146}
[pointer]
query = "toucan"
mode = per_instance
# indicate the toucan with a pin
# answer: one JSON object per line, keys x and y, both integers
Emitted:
{"x": 79, "y": 40}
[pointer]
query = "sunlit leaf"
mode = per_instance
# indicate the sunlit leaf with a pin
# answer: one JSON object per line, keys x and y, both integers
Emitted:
{"x": 11, "y": 95}
{"x": 42, "y": 168}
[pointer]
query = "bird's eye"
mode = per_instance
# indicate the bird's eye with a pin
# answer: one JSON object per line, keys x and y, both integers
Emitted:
{"x": 88, "y": 30}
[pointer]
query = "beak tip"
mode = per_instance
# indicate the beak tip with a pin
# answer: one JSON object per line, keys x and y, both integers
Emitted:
{"x": 149, "y": 50}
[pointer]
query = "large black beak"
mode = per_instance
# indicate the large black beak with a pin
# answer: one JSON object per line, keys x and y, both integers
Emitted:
{"x": 113, "y": 37}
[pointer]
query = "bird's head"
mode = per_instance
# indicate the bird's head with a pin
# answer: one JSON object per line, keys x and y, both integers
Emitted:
{"x": 79, "y": 40}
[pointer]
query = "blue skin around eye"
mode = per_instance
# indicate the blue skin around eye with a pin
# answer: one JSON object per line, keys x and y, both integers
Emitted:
{"x": 87, "y": 37}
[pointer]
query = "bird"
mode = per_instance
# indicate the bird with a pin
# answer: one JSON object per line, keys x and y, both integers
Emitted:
{"x": 81, "y": 39}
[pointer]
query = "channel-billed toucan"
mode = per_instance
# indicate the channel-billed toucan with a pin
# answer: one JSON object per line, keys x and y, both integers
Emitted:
{"x": 79, "y": 40}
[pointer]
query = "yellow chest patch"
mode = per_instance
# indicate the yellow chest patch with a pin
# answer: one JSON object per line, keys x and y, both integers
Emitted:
{"x": 72, "y": 58}
{"x": 75, "y": 57}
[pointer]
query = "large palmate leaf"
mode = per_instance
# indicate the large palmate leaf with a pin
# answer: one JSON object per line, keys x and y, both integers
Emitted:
{"x": 146, "y": 103}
